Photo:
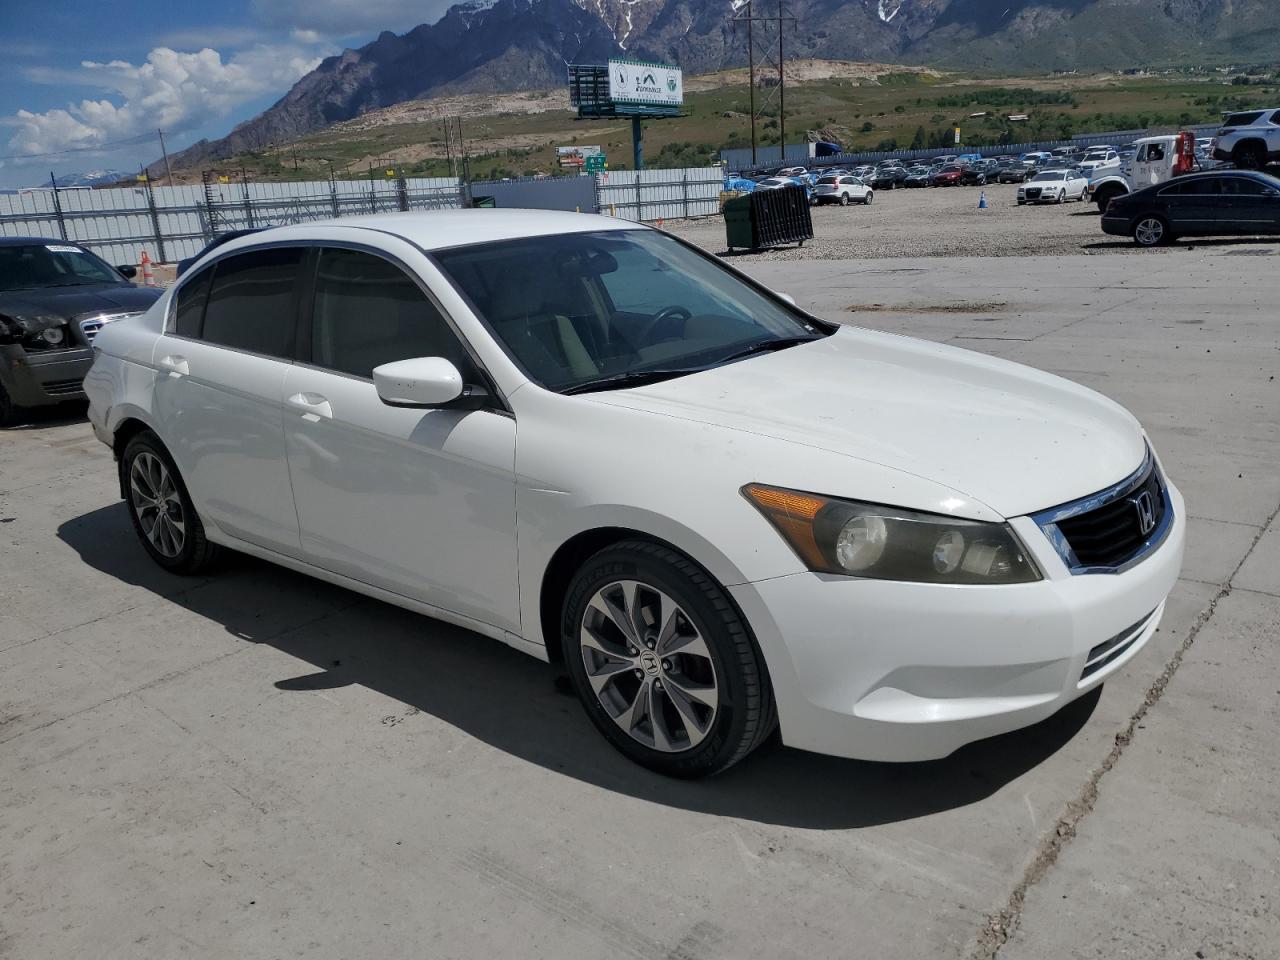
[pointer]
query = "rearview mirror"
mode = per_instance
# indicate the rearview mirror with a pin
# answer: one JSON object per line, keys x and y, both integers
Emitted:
{"x": 420, "y": 382}
{"x": 785, "y": 296}
{"x": 128, "y": 271}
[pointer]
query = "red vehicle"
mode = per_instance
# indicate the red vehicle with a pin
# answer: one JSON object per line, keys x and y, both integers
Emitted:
{"x": 948, "y": 176}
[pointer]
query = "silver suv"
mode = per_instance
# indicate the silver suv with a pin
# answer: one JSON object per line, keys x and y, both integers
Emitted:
{"x": 1250, "y": 139}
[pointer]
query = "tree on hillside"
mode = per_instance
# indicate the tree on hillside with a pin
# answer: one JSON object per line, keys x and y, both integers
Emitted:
{"x": 919, "y": 141}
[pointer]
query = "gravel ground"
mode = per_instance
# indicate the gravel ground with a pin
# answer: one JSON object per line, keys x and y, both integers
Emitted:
{"x": 941, "y": 222}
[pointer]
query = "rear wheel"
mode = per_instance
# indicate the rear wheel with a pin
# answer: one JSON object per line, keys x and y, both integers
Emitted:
{"x": 844, "y": 199}
{"x": 1249, "y": 156}
{"x": 664, "y": 665}
{"x": 1151, "y": 231}
{"x": 8, "y": 412}
{"x": 161, "y": 509}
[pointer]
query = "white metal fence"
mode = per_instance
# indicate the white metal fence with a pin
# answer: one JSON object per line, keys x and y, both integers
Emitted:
{"x": 660, "y": 194}
{"x": 171, "y": 223}
{"x": 175, "y": 222}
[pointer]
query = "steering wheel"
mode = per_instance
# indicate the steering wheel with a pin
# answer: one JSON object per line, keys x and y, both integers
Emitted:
{"x": 662, "y": 316}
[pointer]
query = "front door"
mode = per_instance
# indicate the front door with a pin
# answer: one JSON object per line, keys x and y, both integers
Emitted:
{"x": 420, "y": 502}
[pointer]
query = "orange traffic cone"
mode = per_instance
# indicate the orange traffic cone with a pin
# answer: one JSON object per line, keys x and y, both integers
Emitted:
{"x": 148, "y": 278}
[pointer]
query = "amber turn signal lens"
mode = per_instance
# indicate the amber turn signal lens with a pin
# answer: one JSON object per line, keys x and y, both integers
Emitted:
{"x": 793, "y": 514}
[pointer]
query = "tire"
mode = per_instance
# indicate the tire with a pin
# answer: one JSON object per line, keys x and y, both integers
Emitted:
{"x": 1249, "y": 155}
{"x": 8, "y": 412}
{"x": 1062, "y": 197}
{"x": 866, "y": 201}
{"x": 844, "y": 199}
{"x": 634, "y": 583}
{"x": 1151, "y": 231}
{"x": 171, "y": 533}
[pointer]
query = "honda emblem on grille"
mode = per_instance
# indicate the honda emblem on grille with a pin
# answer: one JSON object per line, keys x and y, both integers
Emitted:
{"x": 1146, "y": 508}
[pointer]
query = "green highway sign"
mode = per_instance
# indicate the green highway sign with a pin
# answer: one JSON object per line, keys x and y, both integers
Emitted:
{"x": 594, "y": 163}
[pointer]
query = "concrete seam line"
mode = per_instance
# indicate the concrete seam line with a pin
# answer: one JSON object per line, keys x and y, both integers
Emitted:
{"x": 1001, "y": 926}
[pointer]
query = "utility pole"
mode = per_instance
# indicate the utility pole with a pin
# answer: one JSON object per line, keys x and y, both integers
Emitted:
{"x": 751, "y": 79}
{"x": 165, "y": 153}
{"x": 782, "y": 91}
{"x": 749, "y": 18}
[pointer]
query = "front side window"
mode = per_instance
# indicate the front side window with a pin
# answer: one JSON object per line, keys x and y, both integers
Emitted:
{"x": 39, "y": 265}
{"x": 369, "y": 312}
{"x": 576, "y": 308}
{"x": 253, "y": 303}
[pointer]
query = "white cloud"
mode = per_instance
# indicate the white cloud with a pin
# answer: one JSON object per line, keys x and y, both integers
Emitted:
{"x": 172, "y": 90}
{"x": 346, "y": 18}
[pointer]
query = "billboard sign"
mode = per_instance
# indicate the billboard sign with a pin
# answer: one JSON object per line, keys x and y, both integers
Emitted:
{"x": 576, "y": 156}
{"x": 631, "y": 81}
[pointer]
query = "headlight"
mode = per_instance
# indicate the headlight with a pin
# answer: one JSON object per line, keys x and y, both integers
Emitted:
{"x": 50, "y": 338}
{"x": 888, "y": 543}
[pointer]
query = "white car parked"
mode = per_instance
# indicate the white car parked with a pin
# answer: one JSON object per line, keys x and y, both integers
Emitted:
{"x": 1054, "y": 186}
{"x": 600, "y": 445}
{"x": 1099, "y": 160}
{"x": 842, "y": 190}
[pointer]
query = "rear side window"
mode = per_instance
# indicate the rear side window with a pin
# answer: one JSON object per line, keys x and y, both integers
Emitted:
{"x": 252, "y": 302}
{"x": 1241, "y": 187}
{"x": 188, "y": 314}
{"x": 1275, "y": 117}
{"x": 369, "y": 312}
{"x": 1242, "y": 119}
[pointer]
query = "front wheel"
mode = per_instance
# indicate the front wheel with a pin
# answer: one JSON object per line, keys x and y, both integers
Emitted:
{"x": 161, "y": 509}
{"x": 664, "y": 665}
{"x": 868, "y": 198}
{"x": 1151, "y": 232}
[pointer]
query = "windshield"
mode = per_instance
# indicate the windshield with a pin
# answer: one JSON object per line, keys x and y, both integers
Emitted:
{"x": 39, "y": 265}
{"x": 1055, "y": 175}
{"x": 581, "y": 307}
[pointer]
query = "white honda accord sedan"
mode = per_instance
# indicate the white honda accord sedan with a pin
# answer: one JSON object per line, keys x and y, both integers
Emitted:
{"x": 598, "y": 444}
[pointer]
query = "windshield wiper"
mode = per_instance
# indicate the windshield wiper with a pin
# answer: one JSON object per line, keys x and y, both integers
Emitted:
{"x": 632, "y": 378}
{"x": 766, "y": 346}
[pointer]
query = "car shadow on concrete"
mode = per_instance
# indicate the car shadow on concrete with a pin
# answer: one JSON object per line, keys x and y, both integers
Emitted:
{"x": 1247, "y": 244}
{"x": 517, "y": 704}
{"x": 54, "y": 415}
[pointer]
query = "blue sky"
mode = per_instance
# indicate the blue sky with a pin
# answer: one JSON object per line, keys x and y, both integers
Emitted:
{"x": 81, "y": 76}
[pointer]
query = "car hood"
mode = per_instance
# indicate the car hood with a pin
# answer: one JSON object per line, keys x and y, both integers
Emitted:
{"x": 1016, "y": 439}
{"x": 33, "y": 310}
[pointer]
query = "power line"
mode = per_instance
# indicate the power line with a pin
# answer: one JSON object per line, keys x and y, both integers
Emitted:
{"x": 57, "y": 153}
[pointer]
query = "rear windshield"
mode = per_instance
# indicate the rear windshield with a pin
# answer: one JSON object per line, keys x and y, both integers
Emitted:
{"x": 1243, "y": 119}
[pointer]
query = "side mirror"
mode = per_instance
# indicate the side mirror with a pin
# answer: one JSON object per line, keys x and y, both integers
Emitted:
{"x": 785, "y": 296}
{"x": 426, "y": 382}
{"x": 128, "y": 271}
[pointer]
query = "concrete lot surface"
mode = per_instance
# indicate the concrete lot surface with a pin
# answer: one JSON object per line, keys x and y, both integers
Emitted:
{"x": 258, "y": 765}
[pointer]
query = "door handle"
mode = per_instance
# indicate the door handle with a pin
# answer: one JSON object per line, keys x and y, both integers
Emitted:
{"x": 313, "y": 406}
{"x": 175, "y": 365}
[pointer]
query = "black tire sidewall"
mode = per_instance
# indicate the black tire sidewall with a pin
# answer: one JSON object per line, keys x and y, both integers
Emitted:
{"x": 708, "y": 605}
{"x": 187, "y": 559}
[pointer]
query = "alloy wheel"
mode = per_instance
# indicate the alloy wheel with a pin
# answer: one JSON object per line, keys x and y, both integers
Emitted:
{"x": 157, "y": 504}
{"x": 1149, "y": 232}
{"x": 649, "y": 666}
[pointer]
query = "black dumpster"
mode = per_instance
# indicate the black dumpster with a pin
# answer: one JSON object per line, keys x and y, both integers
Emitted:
{"x": 766, "y": 218}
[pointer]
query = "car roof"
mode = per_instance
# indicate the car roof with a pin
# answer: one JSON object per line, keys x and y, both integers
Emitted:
{"x": 28, "y": 241}
{"x": 437, "y": 229}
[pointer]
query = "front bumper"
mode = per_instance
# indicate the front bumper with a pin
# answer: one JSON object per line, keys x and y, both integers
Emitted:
{"x": 878, "y": 670}
{"x": 41, "y": 378}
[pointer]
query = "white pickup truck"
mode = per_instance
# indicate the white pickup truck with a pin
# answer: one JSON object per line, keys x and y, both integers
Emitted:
{"x": 1157, "y": 159}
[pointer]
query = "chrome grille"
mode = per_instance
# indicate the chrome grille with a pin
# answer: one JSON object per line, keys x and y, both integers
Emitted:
{"x": 90, "y": 326}
{"x": 1114, "y": 529}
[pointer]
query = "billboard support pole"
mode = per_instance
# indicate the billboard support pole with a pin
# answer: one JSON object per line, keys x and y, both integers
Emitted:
{"x": 637, "y": 143}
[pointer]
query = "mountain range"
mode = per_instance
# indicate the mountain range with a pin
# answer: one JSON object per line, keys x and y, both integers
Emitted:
{"x": 501, "y": 45}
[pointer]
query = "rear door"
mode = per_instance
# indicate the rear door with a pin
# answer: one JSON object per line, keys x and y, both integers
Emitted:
{"x": 222, "y": 363}
{"x": 420, "y": 502}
